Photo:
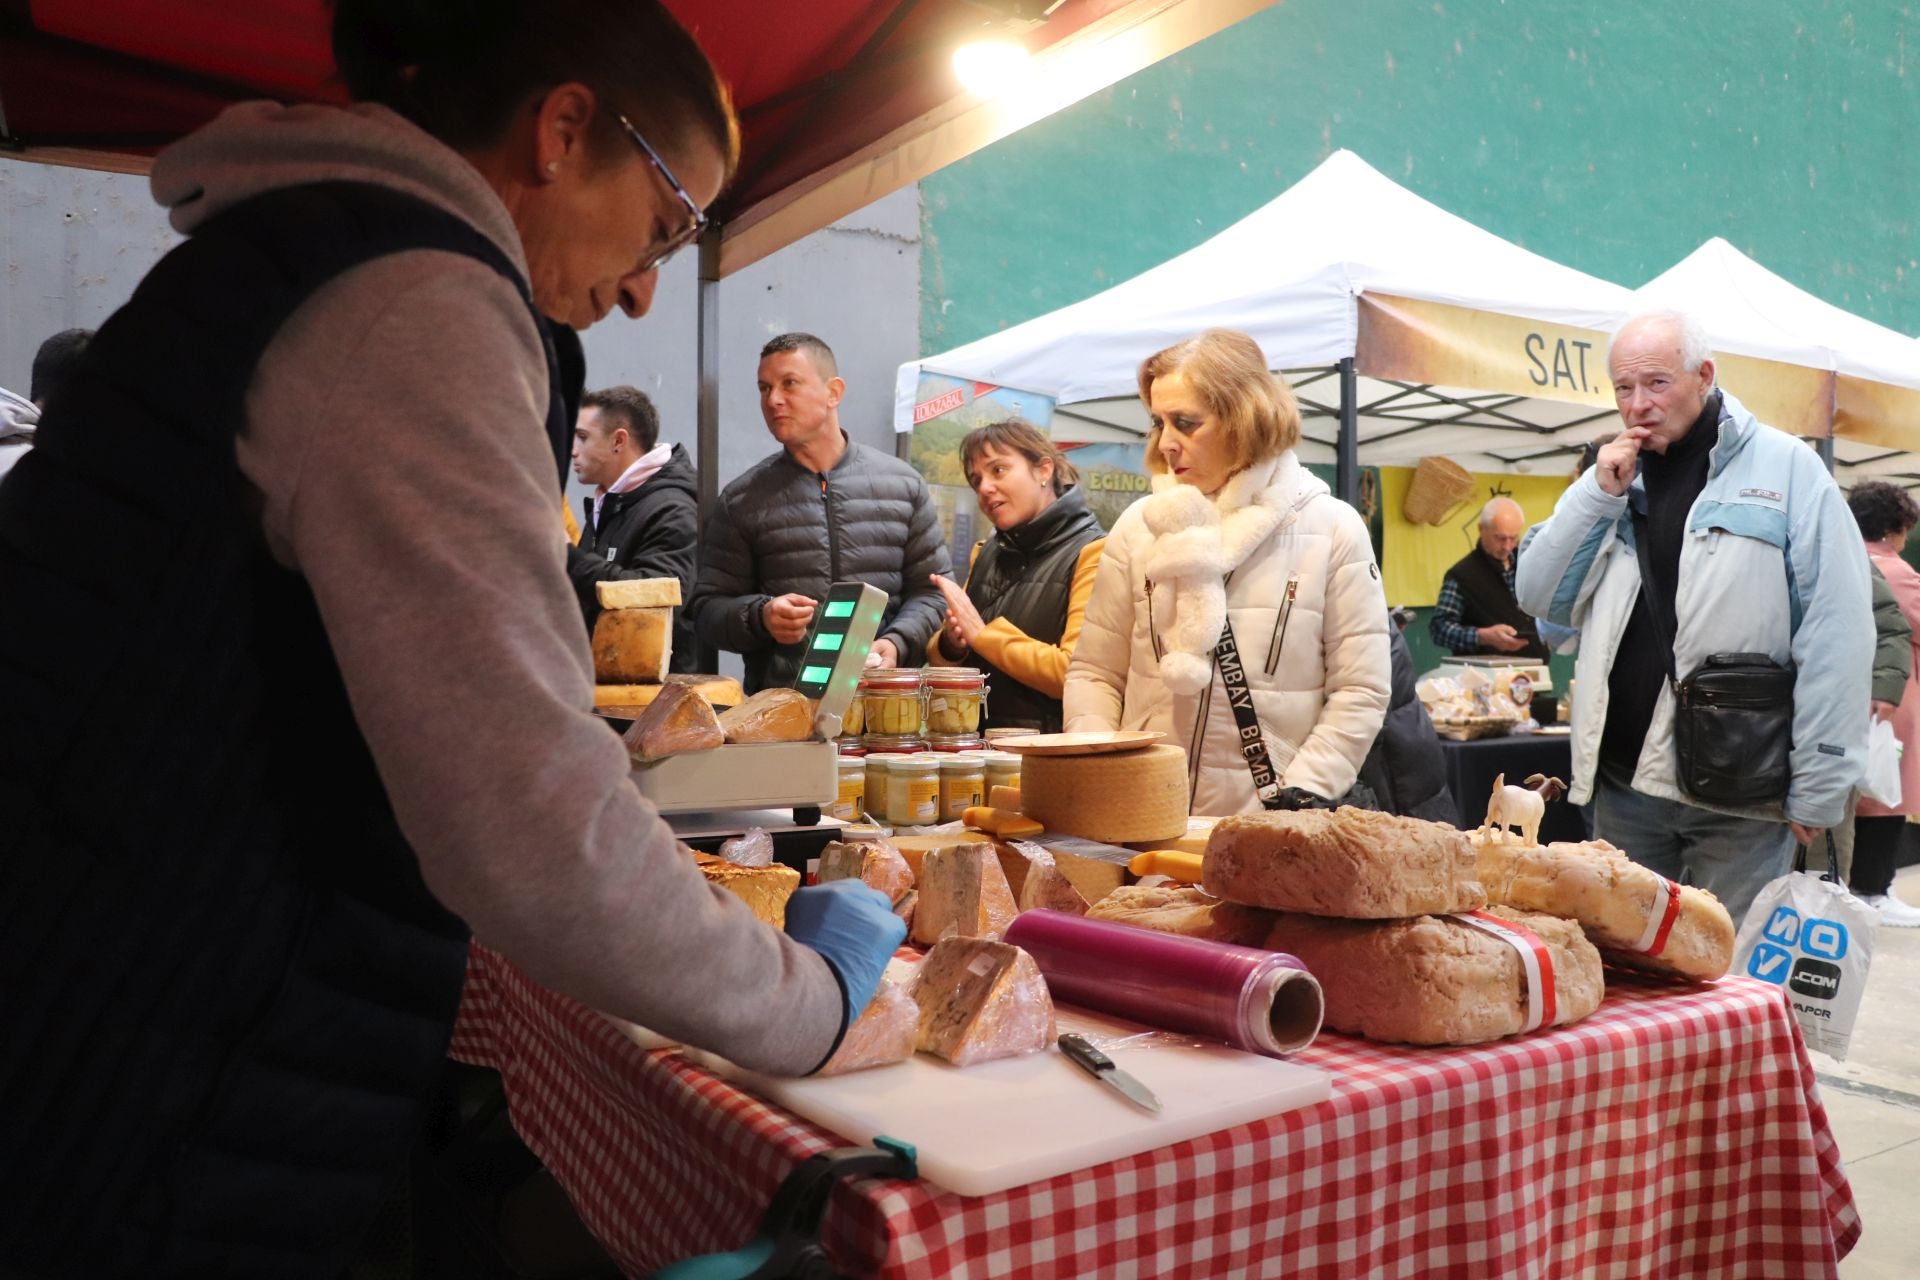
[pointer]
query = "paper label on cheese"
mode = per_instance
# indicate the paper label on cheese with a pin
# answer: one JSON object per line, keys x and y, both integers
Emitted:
{"x": 1536, "y": 962}
{"x": 1666, "y": 909}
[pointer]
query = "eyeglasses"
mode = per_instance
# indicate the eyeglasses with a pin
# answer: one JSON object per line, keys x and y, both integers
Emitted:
{"x": 687, "y": 234}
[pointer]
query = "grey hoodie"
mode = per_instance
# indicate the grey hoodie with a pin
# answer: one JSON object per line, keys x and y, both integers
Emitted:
{"x": 395, "y": 431}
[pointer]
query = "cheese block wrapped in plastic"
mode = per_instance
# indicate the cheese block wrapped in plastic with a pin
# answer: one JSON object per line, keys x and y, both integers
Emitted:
{"x": 907, "y": 907}
{"x": 1462, "y": 979}
{"x": 886, "y": 1032}
{"x": 765, "y": 889}
{"x": 632, "y": 645}
{"x": 963, "y": 893}
{"x": 771, "y": 715}
{"x": 874, "y": 862}
{"x": 1187, "y": 911}
{"x": 1355, "y": 863}
{"x": 1040, "y": 883}
{"x": 677, "y": 720}
{"x": 1636, "y": 916}
{"x": 980, "y": 1000}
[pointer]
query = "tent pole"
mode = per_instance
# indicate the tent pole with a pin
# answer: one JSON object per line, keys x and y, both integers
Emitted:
{"x": 1826, "y": 452}
{"x": 707, "y": 408}
{"x": 1347, "y": 450}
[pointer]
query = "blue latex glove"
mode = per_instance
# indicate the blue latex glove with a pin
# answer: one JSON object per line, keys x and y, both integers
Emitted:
{"x": 853, "y": 928}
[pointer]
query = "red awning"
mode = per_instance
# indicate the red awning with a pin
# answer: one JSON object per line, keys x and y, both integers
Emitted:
{"x": 842, "y": 100}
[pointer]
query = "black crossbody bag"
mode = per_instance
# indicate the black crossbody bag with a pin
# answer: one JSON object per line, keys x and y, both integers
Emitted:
{"x": 1732, "y": 716}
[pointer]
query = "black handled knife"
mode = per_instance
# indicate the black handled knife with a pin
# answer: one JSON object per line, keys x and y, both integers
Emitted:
{"x": 1082, "y": 1054}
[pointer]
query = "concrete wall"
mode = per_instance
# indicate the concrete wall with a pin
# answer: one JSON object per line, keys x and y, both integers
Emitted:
{"x": 1612, "y": 137}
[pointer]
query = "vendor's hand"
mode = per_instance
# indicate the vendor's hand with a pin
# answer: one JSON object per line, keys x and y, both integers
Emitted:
{"x": 1807, "y": 835}
{"x": 1619, "y": 461}
{"x": 883, "y": 654}
{"x": 1502, "y": 637}
{"x": 788, "y": 617}
{"x": 963, "y": 620}
{"x": 853, "y": 928}
{"x": 1883, "y": 710}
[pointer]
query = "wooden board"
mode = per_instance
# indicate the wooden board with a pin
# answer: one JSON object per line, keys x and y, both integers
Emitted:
{"x": 1079, "y": 744}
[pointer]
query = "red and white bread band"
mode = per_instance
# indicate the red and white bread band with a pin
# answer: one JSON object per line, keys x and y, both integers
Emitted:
{"x": 1666, "y": 909}
{"x": 1536, "y": 963}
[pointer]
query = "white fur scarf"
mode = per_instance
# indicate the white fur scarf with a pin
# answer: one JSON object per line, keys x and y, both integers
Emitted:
{"x": 1197, "y": 542}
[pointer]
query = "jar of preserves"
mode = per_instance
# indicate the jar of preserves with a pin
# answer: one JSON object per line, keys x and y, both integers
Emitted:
{"x": 852, "y": 723}
{"x": 956, "y": 701}
{"x": 1002, "y": 770}
{"x": 878, "y": 781}
{"x": 963, "y": 784}
{"x": 850, "y": 803}
{"x": 893, "y": 704}
{"x": 913, "y": 791}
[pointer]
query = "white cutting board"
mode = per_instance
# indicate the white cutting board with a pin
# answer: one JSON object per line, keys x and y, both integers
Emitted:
{"x": 1003, "y": 1124}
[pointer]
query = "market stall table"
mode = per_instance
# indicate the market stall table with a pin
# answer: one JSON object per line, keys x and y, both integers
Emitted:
{"x": 1472, "y": 766}
{"x": 1676, "y": 1132}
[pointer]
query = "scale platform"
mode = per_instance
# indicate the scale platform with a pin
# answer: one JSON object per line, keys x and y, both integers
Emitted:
{"x": 749, "y": 775}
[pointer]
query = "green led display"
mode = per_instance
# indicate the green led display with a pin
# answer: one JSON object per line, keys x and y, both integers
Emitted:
{"x": 829, "y": 640}
{"x": 839, "y": 608}
{"x": 815, "y": 675}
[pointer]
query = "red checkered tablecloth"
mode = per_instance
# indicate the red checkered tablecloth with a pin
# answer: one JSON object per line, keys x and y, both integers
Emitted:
{"x": 1677, "y": 1132}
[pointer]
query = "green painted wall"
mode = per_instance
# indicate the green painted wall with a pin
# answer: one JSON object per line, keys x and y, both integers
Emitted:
{"x": 1612, "y": 137}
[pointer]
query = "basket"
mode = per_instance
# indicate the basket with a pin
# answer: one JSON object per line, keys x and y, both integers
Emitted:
{"x": 1439, "y": 486}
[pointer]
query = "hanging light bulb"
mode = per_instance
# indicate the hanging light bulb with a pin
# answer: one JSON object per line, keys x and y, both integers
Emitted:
{"x": 989, "y": 68}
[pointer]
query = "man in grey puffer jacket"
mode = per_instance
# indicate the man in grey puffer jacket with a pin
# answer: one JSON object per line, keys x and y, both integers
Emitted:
{"x": 822, "y": 510}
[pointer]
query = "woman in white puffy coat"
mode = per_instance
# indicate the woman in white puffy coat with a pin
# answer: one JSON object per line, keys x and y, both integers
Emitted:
{"x": 1235, "y": 531}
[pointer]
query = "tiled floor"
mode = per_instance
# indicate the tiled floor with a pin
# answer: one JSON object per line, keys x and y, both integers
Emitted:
{"x": 1873, "y": 1100}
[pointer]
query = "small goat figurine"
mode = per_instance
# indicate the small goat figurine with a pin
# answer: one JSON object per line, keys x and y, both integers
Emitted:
{"x": 1522, "y": 806}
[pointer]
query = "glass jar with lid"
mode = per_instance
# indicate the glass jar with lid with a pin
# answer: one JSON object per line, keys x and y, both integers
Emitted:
{"x": 879, "y": 779}
{"x": 1002, "y": 770}
{"x": 913, "y": 790}
{"x": 956, "y": 702}
{"x": 852, "y": 722}
{"x": 963, "y": 783}
{"x": 850, "y": 803}
{"x": 893, "y": 704}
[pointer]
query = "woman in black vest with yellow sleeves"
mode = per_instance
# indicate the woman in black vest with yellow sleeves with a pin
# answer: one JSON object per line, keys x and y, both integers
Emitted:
{"x": 1019, "y": 615}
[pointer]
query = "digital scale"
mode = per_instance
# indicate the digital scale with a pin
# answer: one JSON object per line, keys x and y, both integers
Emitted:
{"x": 778, "y": 775}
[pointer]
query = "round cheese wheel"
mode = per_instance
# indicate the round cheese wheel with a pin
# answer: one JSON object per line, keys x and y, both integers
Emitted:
{"x": 1113, "y": 798}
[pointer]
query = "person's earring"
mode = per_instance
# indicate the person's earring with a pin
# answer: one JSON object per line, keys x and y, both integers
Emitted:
{"x": 553, "y": 168}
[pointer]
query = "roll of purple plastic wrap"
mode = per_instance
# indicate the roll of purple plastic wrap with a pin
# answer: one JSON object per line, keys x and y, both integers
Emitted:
{"x": 1260, "y": 1001}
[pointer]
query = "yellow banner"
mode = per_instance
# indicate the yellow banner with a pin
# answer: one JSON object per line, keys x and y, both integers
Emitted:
{"x": 1877, "y": 413}
{"x": 1796, "y": 399}
{"x": 1408, "y": 340}
{"x": 1415, "y": 557}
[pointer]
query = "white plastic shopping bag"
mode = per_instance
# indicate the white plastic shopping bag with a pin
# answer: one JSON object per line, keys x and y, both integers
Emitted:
{"x": 1806, "y": 933}
{"x": 1882, "y": 780}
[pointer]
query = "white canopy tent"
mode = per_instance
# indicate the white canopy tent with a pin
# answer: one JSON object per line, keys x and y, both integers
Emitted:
{"x": 1425, "y": 333}
{"x": 1802, "y": 363}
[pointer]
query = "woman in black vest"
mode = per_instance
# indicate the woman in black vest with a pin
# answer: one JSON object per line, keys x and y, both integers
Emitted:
{"x": 1027, "y": 586}
{"x": 350, "y": 713}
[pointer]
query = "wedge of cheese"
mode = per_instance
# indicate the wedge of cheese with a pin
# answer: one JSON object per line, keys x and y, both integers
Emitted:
{"x": 1045, "y": 887}
{"x": 886, "y": 1032}
{"x": 639, "y": 593}
{"x": 1008, "y": 824}
{"x": 1007, "y": 798}
{"x": 765, "y": 889}
{"x": 873, "y": 862}
{"x": 771, "y": 715}
{"x": 678, "y": 720}
{"x": 963, "y": 893}
{"x": 916, "y": 848}
{"x": 632, "y": 646}
{"x": 980, "y": 1000}
{"x": 611, "y": 699}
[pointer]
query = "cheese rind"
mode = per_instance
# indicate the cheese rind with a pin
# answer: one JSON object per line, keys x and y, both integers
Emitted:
{"x": 771, "y": 715}
{"x": 873, "y": 862}
{"x": 1355, "y": 863}
{"x": 632, "y": 646}
{"x": 1113, "y": 798}
{"x": 963, "y": 893}
{"x": 678, "y": 720}
{"x": 980, "y": 1000}
{"x": 638, "y": 593}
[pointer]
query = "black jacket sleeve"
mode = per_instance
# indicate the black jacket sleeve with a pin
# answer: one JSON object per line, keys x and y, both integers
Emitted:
{"x": 726, "y": 603}
{"x": 921, "y": 604}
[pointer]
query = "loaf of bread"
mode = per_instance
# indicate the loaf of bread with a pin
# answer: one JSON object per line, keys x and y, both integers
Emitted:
{"x": 874, "y": 862}
{"x": 884, "y": 1033}
{"x": 765, "y": 889}
{"x": 1635, "y": 916}
{"x": 677, "y": 720}
{"x": 1353, "y": 863}
{"x": 771, "y": 715}
{"x": 980, "y": 1000}
{"x": 1427, "y": 980}
{"x": 963, "y": 893}
{"x": 632, "y": 646}
{"x": 1187, "y": 911}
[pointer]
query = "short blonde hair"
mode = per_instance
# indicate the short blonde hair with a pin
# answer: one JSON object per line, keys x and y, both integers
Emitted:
{"x": 1255, "y": 409}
